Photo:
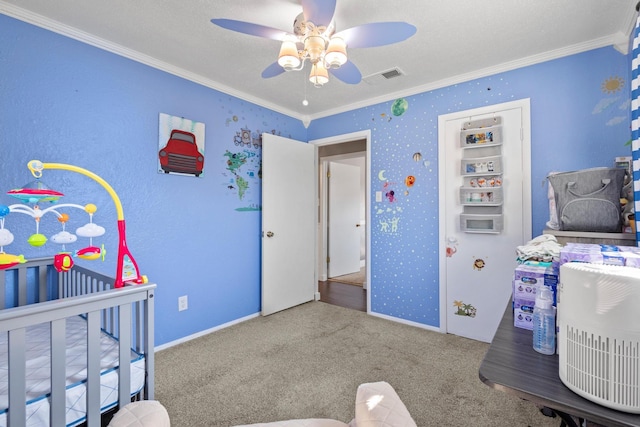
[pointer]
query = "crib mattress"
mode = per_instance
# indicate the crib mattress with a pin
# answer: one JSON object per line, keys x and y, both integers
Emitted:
{"x": 39, "y": 372}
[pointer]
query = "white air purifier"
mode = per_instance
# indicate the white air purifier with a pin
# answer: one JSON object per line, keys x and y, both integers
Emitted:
{"x": 599, "y": 333}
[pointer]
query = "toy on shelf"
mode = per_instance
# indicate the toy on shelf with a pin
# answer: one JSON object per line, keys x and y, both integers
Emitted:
{"x": 36, "y": 192}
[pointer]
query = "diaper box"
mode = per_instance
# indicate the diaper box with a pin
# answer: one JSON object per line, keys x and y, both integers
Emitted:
{"x": 527, "y": 278}
{"x": 544, "y": 271}
{"x": 523, "y": 317}
{"x": 523, "y": 304}
{"x": 601, "y": 254}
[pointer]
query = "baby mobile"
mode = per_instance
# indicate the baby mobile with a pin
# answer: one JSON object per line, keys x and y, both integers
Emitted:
{"x": 36, "y": 193}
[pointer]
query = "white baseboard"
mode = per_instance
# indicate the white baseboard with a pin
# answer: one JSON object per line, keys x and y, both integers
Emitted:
{"x": 205, "y": 332}
{"x": 407, "y": 322}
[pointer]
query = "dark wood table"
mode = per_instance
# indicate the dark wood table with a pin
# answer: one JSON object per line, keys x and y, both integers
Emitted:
{"x": 513, "y": 366}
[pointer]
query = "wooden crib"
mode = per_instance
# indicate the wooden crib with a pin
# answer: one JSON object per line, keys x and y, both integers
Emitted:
{"x": 115, "y": 325}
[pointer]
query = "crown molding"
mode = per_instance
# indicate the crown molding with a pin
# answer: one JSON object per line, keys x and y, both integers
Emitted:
{"x": 485, "y": 72}
{"x": 619, "y": 41}
{"x": 84, "y": 37}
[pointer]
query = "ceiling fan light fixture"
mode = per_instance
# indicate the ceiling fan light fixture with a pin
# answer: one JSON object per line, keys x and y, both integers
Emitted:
{"x": 336, "y": 54}
{"x": 314, "y": 40}
{"x": 314, "y": 46}
{"x": 319, "y": 74}
{"x": 288, "y": 57}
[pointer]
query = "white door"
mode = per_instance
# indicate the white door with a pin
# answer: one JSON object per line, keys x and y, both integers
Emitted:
{"x": 479, "y": 266}
{"x": 344, "y": 219}
{"x": 289, "y": 218}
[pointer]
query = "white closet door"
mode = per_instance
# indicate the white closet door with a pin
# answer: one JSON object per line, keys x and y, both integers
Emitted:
{"x": 477, "y": 268}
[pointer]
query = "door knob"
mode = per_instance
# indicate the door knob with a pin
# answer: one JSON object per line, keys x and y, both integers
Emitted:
{"x": 357, "y": 225}
{"x": 269, "y": 233}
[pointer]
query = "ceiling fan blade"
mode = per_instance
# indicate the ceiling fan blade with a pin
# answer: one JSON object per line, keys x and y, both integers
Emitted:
{"x": 348, "y": 73}
{"x": 251, "y": 29}
{"x": 376, "y": 34}
{"x": 320, "y": 12}
{"x": 272, "y": 70}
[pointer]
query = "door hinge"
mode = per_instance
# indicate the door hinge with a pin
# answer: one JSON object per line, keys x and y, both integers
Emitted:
{"x": 328, "y": 260}
{"x": 328, "y": 174}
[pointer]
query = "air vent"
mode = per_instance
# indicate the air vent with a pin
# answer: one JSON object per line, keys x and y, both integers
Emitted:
{"x": 383, "y": 76}
{"x": 391, "y": 74}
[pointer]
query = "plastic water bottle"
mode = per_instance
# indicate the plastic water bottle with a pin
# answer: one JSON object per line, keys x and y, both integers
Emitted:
{"x": 544, "y": 322}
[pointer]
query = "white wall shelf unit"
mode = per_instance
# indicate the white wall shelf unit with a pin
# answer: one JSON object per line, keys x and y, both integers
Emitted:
{"x": 481, "y": 167}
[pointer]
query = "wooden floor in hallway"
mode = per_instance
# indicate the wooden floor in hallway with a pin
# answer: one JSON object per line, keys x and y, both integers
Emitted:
{"x": 344, "y": 295}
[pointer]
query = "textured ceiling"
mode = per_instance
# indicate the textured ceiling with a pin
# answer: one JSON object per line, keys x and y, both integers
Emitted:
{"x": 456, "y": 40}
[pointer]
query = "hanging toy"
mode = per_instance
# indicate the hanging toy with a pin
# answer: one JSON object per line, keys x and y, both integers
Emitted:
{"x": 37, "y": 239}
{"x": 62, "y": 261}
{"x": 127, "y": 268}
{"x": 64, "y": 237}
{"x": 35, "y": 192}
{"x": 6, "y": 238}
{"x": 90, "y": 230}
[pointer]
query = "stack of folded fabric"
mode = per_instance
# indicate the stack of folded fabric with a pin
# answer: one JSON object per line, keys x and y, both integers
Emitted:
{"x": 544, "y": 248}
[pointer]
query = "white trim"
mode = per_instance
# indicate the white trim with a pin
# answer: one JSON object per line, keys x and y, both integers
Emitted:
{"x": 253, "y": 316}
{"x": 618, "y": 41}
{"x": 205, "y": 332}
{"x": 354, "y": 136}
{"x": 323, "y": 273}
{"x": 442, "y": 229}
{"x": 84, "y": 37}
{"x": 525, "y": 132}
{"x": 408, "y": 322}
{"x": 485, "y": 72}
{"x": 337, "y": 139}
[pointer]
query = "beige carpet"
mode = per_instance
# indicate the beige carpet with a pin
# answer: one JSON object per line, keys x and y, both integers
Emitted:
{"x": 356, "y": 279}
{"x": 308, "y": 361}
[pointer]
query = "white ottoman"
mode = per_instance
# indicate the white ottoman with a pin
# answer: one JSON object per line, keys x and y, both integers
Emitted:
{"x": 144, "y": 413}
{"x": 310, "y": 422}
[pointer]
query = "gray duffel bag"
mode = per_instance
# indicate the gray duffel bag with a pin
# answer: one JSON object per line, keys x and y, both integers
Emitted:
{"x": 589, "y": 199}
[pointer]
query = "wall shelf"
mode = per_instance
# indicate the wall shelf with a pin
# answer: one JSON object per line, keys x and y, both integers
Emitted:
{"x": 481, "y": 196}
{"x": 481, "y": 165}
{"x": 481, "y": 137}
{"x": 481, "y": 193}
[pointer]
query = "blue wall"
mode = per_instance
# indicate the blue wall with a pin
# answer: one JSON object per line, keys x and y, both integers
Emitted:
{"x": 580, "y": 116}
{"x": 62, "y": 101}
{"x": 66, "y": 102}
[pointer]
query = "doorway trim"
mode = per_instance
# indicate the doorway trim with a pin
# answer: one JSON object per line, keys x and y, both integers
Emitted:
{"x": 324, "y": 217}
{"x": 340, "y": 139}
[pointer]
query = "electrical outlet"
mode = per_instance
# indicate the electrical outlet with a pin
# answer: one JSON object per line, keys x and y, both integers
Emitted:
{"x": 183, "y": 303}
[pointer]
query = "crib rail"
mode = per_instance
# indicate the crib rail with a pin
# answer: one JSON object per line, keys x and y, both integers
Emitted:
{"x": 15, "y": 284}
{"x": 127, "y": 313}
{"x": 82, "y": 281}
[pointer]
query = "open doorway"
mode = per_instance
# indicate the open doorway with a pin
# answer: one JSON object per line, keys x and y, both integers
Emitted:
{"x": 335, "y": 287}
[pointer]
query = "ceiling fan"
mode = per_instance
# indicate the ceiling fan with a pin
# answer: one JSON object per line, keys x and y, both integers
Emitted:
{"x": 315, "y": 39}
